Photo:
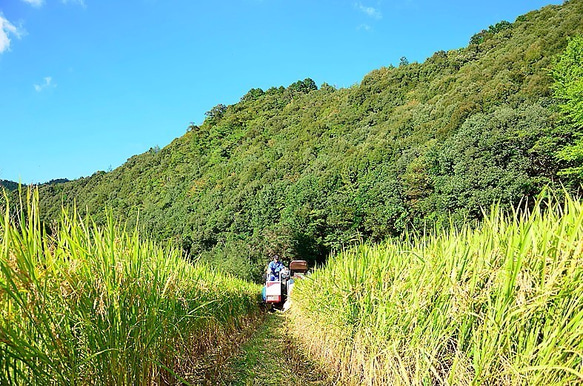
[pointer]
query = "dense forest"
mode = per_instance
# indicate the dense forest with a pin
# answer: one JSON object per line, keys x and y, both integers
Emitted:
{"x": 304, "y": 170}
{"x": 9, "y": 185}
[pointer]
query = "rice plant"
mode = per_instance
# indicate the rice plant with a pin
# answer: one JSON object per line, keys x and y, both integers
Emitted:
{"x": 89, "y": 305}
{"x": 501, "y": 304}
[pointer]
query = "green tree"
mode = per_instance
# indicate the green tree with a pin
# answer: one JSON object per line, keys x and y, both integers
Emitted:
{"x": 304, "y": 86}
{"x": 216, "y": 113}
{"x": 568, "y": 77}
{"x": 252, "y": 95}
{"x": 568, "y": 90}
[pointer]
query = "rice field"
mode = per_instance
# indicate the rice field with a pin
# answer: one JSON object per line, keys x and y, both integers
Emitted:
{"x": 86, "y": 305}
{"x": 500, "y": 304}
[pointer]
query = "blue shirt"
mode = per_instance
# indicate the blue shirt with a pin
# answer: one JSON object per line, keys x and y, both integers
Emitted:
{"x": 275, "y": 267}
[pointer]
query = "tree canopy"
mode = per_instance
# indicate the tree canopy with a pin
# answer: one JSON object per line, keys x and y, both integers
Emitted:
{"x": 568, "y": 89}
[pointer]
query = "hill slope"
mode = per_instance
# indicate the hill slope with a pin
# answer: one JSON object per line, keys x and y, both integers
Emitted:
{"x": 10, "y": 185}
{"x": 301, "y": 171}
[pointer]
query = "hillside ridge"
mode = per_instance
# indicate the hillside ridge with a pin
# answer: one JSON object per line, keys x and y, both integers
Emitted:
{"x": 304, "y": 170}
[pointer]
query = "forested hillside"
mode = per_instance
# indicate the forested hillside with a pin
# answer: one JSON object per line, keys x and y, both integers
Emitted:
{"x": 303, "y": 170}
{"x": 10, "y": 185}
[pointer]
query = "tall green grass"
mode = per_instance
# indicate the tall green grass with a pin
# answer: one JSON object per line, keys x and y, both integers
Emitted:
{"x": 498, "y": 305}
{"x": 90, "y": 305}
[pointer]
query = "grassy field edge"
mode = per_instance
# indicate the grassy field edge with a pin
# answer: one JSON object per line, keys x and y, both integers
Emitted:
{"x": 82, "y": 304}
{"x": 500, "y": 304}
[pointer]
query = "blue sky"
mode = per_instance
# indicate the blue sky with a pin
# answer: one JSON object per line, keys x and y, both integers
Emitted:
{"x": 86, "y": 84}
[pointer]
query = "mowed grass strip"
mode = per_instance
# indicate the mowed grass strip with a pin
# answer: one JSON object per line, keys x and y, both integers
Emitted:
{"x": 100, "y": 305}
{"x": 272, "y": 357}
{"x": 501, "y": 304}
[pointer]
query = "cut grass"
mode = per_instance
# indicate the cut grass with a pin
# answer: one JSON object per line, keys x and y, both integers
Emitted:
{"x": 271, "y": 357}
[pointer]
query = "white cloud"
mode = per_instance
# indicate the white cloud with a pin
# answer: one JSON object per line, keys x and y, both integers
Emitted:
{"x": 44, "y": 85}
{"x": 365, "y": 27}
{"x": 78, "y": 2}
{"x": 369, "y": 11}
{"x": 7, "y": 29}
{"x": 34, "y": 3}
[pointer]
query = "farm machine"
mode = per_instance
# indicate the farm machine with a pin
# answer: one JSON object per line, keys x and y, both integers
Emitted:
{"x": 275, "y": 292}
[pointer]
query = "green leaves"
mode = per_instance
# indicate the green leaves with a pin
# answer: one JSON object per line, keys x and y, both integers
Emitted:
{"x": 216, "y": 113}
{"x": 303, "y": 86}
{"x": 568, "y": 89}
{"x": 568, "y": 77}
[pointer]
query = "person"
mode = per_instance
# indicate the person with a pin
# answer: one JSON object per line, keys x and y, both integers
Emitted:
{"x": 274, "y": 268}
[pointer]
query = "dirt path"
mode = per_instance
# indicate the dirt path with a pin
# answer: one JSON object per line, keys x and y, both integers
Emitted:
{"x": 270, "y": 358}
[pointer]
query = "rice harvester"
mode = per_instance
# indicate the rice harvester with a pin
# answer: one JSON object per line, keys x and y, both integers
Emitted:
{"x": 275, "y": 292}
